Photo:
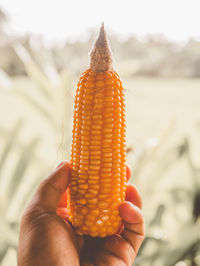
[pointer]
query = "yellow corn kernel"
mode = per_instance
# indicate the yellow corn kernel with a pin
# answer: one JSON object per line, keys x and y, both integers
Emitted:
{"x": 98, "y": 180}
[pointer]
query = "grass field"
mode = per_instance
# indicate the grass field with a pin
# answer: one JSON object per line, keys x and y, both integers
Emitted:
{"x": 153, "y": 103}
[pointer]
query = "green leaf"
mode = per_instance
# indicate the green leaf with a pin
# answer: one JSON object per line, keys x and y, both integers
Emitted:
{"x": 158, "y": 215}
{"x": 11, "y": 141}
{"x": 8, "y": 234}
{"x": 180, "y": 194}
{"x": 33, "y": 70}
{"x": 3, "y": 249}
{"x": 21, "y": 167}
{"x": 38, "y": 107}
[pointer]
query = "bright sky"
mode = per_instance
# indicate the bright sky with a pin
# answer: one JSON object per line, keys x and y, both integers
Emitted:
{"x": 177, "y": 19}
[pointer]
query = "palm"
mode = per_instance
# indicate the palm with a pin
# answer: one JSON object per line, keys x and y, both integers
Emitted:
{"x": 59, "y": 239}
{"x": 94, "y": 252}
{"x": 86, "y": 249}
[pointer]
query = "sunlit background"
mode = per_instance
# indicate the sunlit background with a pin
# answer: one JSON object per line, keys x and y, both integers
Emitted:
{"x": 177, "y": 19}
{"x": 44, "y": 47}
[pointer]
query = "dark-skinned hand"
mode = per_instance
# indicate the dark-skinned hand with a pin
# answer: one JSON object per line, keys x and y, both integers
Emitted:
{"x": 46, "y": 239}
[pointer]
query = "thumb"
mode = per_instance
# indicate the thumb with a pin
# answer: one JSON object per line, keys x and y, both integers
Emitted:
{"x": 51, "y": 189}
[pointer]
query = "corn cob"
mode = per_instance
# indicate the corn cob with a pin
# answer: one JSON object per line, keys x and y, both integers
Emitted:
{"x": 98, "y": 155}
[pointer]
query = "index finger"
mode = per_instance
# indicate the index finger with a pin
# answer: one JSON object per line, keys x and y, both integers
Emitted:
{"x": 50, "y": 190}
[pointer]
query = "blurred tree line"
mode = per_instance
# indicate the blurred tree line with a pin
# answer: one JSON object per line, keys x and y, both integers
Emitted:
{"x": 151, "y": 56}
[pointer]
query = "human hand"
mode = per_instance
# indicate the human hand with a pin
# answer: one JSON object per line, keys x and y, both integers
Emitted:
{"x": 48, "y": 240}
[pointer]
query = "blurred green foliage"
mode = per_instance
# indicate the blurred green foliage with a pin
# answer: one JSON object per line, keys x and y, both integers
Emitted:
{"x": 35, "y": 131}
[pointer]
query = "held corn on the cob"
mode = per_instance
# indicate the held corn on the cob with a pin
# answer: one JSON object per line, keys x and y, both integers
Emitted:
{"x": 98, "y": 156}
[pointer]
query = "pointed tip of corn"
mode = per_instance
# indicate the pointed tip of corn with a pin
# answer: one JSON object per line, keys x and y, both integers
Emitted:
{"x": 101, "y": 55}
{"x": 102, "y": 38}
